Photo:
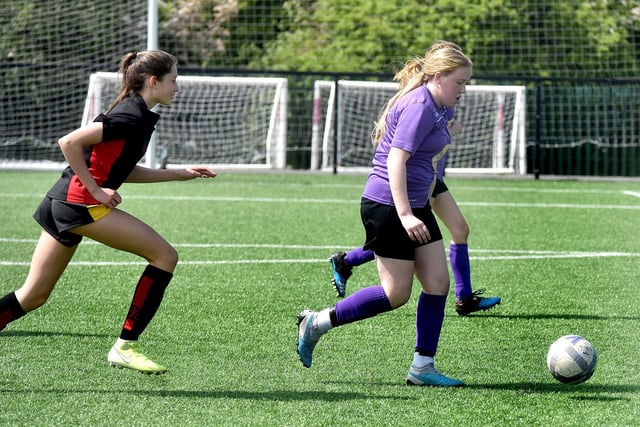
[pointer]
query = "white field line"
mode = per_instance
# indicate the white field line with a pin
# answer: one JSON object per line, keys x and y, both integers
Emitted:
{"x": 491, "y": 254}
{"x": 456, "y": 189}
{"x": 200, "y": 245}
{"x": 548, "y": 205}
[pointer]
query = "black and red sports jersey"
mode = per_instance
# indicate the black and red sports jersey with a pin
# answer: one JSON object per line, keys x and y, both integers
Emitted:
{"x": 126, "y": 133}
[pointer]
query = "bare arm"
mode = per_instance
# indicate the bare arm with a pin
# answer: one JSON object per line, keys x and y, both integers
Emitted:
{"x": 397, "y": 168}
{"x": 141, "y": 174}
{"x": 72, "y": 146}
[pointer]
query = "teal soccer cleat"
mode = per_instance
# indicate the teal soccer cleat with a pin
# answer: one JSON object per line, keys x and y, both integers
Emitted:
{"x": 431, "y": 377}
{"x": 308, "y": 336}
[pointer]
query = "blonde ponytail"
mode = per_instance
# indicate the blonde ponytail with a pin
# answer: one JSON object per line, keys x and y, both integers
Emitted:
{"x": 442, "y": 56}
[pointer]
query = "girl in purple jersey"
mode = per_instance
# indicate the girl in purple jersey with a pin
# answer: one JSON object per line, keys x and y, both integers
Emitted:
{"x": 411, "y": 137}
{"x": 84, "y": 202}
{"x": 446, "y": 208}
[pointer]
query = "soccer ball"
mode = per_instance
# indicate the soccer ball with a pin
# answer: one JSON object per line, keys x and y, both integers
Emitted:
{"x": 571, "y": 359}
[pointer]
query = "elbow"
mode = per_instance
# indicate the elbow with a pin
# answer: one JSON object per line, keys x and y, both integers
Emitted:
{"x": 63, "y": 143}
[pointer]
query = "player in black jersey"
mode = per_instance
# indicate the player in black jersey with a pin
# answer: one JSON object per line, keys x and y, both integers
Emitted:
{"x": 84, "y": 202}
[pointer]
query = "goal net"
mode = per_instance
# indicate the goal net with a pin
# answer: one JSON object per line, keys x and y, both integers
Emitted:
{"x": 222, "y": 121}
{"x": 493, "y": 117}
{"x": 49, "y": 48}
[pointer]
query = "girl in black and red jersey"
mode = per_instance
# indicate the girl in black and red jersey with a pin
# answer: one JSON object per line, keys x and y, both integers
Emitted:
{"x": 83, "y": 202}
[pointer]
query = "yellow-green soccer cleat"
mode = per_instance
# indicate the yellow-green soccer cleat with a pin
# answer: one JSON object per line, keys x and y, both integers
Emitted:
{"x": 126, "y": 354}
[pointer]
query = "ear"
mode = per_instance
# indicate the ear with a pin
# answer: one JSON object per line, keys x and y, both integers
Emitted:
{"x": 437, "y": 77}
{"x": 153, "y": 81}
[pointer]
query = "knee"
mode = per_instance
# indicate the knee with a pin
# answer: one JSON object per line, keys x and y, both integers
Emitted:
{"x": 166, "y": 259}
{"x": 460, "y": 232}
{"x": 437, "y": 284}
{"x": 398, "y": 299}
{"x": 172, "y": 257}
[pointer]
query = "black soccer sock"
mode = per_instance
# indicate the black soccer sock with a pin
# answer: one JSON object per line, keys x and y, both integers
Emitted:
{"x": 146, "y": 300}
{"x": 10, "y": 309}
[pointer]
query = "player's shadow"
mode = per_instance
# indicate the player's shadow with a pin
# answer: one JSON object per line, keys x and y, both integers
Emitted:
{"x": 595, "y": 392}
{"x": 599, "y": 392}
{"x": 581, "y": 392}
{"x": 554, "y": 316}
{"x": 273, "y": 395}
{"x": 23, "y": 333}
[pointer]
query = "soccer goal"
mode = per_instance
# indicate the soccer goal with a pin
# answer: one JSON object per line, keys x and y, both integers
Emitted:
{"x": 238, "y": 122}
{"x": 493, "y": 118}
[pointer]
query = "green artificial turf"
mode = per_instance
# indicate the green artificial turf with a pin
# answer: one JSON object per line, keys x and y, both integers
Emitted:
{"x": 563, "y": 255}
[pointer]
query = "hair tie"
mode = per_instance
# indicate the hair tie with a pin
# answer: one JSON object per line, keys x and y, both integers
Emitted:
{"x": 133, "y": 57}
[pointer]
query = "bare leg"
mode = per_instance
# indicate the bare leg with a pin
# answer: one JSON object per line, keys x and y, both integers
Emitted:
{"x": 446, "y": 208}
{"x": 396, "y": 278}
{"x": 49, "y": 260}
{"x": 124, "y": 232}
{"x": 431, "y": 268}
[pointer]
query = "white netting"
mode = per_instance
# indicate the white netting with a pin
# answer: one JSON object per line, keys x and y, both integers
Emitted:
{"x": 232, "y": 121}
{"x": 493, "y": 118}
{"x": 48, "y": 51}
{"x": 572, "y": 55}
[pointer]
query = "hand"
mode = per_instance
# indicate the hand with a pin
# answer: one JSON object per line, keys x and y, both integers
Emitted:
{"x": 198, "y": 172}
{"x": 107, "y": 196}
{"x": 416, "y": 229}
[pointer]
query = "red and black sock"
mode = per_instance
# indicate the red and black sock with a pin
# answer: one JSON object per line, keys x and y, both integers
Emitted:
{"x": 10, "y": 309}
{"x": 146, "y": 300}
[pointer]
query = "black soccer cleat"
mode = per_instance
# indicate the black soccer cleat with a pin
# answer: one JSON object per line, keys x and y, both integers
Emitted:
{"x": 475, "y": 303}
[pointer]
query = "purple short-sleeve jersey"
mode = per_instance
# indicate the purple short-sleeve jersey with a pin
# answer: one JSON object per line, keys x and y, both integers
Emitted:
{"x": 417, "y": 125}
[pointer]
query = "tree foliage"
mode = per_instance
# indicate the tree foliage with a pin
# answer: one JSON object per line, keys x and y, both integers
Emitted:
{"x": 219, "y": 33}
{"x": 571, "y": 38}
{"x": 196, "y": 30}
{"x": 545, "y": 38}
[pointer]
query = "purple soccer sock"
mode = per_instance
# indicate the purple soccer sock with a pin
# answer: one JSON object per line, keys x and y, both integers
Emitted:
{"x": 429, "y": 319}
{"x": 362, "y": 304}
{"x": 459, "y": 259}
{"x": 358, "y": 257}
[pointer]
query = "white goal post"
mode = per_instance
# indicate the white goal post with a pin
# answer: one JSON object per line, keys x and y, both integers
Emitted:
{"x": 493, "y": 117}
{"x": 236, "y": 122}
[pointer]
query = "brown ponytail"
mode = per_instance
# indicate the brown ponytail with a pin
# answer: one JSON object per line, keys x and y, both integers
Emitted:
{"x": 136, "y": 67}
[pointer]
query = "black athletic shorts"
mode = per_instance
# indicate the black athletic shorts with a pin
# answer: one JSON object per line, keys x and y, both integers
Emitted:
{"x": 439, "y": 187}
{"x": 56, "y": 217}
{"x": 385, "y": 234}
